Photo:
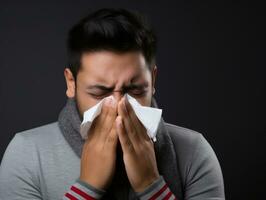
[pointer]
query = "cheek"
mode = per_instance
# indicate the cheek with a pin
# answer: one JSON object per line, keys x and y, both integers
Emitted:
{"x": 84, "y": 101}
{"x": 145, "y": 101}
{"x": 149, "y": 97}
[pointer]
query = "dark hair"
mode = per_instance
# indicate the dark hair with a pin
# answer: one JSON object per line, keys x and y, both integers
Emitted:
{"x": 116, "y": 30}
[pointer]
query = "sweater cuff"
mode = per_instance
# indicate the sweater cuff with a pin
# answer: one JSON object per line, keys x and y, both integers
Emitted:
{"x": 157, "y": 190}
{"x": 83, "y": 190}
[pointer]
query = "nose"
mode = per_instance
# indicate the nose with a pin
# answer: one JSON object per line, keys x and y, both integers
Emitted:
{"x": 118, "y": 94}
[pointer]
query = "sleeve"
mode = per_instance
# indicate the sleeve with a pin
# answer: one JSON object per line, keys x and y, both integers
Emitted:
{"x": 157, "y": 190}
{"x": 204, "y": 179}
{"x": 18, "y": 179}
{"x": 83, "y": 190}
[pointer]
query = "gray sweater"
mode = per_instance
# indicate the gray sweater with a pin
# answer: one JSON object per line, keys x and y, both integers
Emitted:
{"x": 40, "y": 164}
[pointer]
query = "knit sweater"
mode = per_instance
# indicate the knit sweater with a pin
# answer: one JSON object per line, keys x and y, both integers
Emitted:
{"x": 40, "y": 163}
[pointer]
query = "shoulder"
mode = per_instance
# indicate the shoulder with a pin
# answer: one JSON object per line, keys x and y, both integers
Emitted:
{"x": 185, "y": 142}
{"x": 27, "y": 147}
{"x": 20, "y": 159}
{"x": 42, "y": 136}
{"x": 197, "y": 160}
{"x": 41, "y": 133}
{"x": 188, "y": 143}
{"x": 29, "y": 154}
{"x": 190, "y": 146}
{"x": 29, "y": 143}
{"x": 183, "y": 138}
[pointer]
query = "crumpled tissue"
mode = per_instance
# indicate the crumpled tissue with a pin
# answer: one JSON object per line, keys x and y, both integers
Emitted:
{"x": 149, "y": 117}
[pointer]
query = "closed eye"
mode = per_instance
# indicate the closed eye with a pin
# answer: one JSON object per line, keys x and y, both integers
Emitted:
{"x": 99, "y": 95}
{"x": 138, "y": 92}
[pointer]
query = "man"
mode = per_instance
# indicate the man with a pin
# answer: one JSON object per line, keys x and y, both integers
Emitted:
{"x": 111, "y": 52}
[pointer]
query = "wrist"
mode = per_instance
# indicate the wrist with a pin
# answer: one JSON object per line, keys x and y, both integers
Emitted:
{"x": 151, "y": 189}
{"x": 96, "y": 192}
{"x": 83, "y": 190}
{"x": 91, "y": 182}
{"x": 146, "y": 184}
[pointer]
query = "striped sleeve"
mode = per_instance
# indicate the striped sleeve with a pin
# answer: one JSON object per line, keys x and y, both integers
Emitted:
{"x": 157, "y": 190}
{"x": 82, "y": 190}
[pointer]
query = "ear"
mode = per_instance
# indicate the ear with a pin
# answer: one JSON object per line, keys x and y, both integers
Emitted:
{"x": 154, "y": 74}
{"x": 70, "y": 82}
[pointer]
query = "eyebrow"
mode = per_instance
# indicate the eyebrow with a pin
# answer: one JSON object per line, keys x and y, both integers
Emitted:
{"x": 129, "y": 87}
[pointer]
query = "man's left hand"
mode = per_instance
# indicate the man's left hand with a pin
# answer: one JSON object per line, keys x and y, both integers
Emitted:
{"x": 138, "y": 149}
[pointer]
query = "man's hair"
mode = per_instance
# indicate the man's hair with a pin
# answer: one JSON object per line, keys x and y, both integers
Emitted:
{"x": 116, "y": 30}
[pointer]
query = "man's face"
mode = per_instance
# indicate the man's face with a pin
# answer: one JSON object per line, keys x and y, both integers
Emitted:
{"x": 105, "y": 73}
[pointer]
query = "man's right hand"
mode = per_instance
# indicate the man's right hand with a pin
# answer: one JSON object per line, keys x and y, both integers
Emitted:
{"x": 99, "y": 151}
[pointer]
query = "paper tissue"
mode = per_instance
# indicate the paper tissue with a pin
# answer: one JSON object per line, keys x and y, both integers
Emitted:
{"x": 149, "y": 117}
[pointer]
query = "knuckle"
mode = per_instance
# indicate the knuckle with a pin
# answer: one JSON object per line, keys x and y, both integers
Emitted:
{"x": 129, "y": 145}
{"x": 134, "y": 134}
{"x": 143, "y": 147}
{"x": 98, "y": 149}
{"x": 110, "y": 117}
{"x": 111, "y": 139}
{"x": 140, "y": 150}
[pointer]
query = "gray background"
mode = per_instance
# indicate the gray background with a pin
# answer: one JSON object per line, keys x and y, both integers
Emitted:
{"x": 211, "y": 74}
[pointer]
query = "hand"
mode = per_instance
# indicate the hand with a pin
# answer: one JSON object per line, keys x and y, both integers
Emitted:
{"x": 99, "y": 151}
{"x": 138, "y": 148}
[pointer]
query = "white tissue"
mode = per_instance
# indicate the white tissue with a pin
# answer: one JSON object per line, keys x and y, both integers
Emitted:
{"x": 149, "y": 117}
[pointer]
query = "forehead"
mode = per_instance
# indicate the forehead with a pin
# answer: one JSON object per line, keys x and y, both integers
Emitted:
{"x": 110, "y": 68}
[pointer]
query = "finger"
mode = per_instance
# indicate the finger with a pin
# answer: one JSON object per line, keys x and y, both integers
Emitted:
{"x": 110, "y": 118}
{"x": 112, "y": 139}
{"x": 96, "y": 126}
{"x": 104, "y": 111}
{"x": 99, "y": 120}
{"x": 125, "y": 142}
{"x": 141, "y": 130}
{"x": 93, "y": 128}
{"x": 129, "y": 128}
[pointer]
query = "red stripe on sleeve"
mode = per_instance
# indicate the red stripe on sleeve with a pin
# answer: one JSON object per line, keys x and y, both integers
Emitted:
{"x": 70, "y": 196}
{"x": 169, "y": 194}
{"x": 159, "y": 192}
{"x": 81, "y": 193}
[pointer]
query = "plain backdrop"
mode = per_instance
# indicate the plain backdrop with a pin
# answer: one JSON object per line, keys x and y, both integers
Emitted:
{"x": 211, "y": 74}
